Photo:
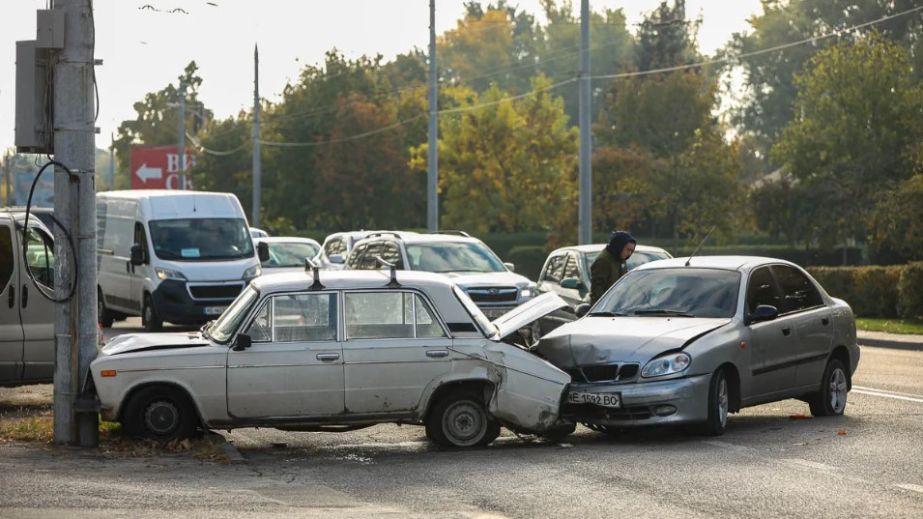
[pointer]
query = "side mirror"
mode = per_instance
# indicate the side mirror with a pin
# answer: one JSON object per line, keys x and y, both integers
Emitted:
{"x": 137, "y": 255}
{"x": 572, "y": 284}
{"x": 509, "y": 266}
{"x": 582, "y": 309}
{"x": 339, "y": 259}
{"x": 764, "y": 313}
{"x": 262, "y": 251}
{"x": 242, "y": 342}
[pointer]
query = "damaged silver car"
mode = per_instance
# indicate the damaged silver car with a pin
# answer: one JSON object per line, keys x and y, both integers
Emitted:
{"x": 687, "y": 341}
{"x": 338, "y": 351}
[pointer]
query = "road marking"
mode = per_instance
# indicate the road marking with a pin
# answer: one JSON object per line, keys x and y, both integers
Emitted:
{"x": 908, "y": 486}
{"x": 809, "y": 464}
{"x": 887, "y": 394}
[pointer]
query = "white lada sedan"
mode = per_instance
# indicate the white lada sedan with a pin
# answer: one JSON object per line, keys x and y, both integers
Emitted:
{"x": 691, "y": 340}
{"x": 333, "y": 352}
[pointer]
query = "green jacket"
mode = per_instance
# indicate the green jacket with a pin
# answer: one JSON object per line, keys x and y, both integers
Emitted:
{"x": 604, "y": 272}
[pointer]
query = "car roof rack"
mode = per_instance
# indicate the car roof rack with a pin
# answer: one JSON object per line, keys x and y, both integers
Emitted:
{"x": 393, "y": 268}
{"x": 378, "y": 234}
{"x": 310, "y": 265}
{"x": 451, "y": 231}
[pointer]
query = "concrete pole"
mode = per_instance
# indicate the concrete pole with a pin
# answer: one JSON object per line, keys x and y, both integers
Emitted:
{"x": 432, "y": 172}
{"x": 181, "y": 144}
{"x": 257, "y": 165}
{"x": 75, "y": 206}
{"x": 585, "y": 219}
{"x": 7, "y": 173}
{"x": 111, "y": 179}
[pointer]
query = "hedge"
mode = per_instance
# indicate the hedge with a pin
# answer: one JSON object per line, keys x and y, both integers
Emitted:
{"x": 528, "y": 260}
{"x": 876, "y": 291}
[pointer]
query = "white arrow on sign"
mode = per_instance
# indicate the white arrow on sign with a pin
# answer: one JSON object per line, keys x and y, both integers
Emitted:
{"x": 145, "y": 173}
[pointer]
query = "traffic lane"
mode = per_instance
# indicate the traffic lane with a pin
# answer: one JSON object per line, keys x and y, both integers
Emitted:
{"x": 890, "y": 369}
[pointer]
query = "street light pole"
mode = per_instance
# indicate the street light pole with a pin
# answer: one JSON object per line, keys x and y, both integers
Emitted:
{"x": 181, "y": 144}
{"x": 257, "y": 165}
{"x": 585, "y": 218}
{"x": 432, "y": 176}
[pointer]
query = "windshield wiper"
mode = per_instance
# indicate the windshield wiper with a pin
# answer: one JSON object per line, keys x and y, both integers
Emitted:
{"x": 668, "y": 313}
{"x": 606, "y": 314}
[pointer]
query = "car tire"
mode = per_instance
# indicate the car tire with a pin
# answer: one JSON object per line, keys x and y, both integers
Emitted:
{"x": 105, "y": 316}
{"x": 718, "y": 405}
{"x": 160, "y": 413}
{"x": 460, "y": 420}
{"x": 834, "y": 388}
{"x": 149, "y": 317}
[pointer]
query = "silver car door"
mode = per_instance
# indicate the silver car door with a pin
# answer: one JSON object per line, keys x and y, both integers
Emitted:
{"x": 574, "y": 296}
{"x": 294, "y": 367}
{"x": 396, "y": 345}
{"x": 772, "y": 342}
{"x": 813, "y": 322}
{"x": 11, "y": 335}
{"x": 37, "y": 311}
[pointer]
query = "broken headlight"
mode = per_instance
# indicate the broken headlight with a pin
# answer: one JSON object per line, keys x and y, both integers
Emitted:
{"x": 666, "y": 365}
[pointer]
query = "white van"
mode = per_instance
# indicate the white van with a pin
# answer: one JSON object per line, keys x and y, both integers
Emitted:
{"x": 26, "y": 317}
{"x": 177, "y": 256}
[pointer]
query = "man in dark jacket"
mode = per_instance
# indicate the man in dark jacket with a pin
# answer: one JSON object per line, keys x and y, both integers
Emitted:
{"x": 610, "y": 264}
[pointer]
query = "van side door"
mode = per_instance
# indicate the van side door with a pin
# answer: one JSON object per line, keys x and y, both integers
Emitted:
{"x": 11, "y": 335}
{"x": 36, "y": 310}
{"x": 139, "y": 273}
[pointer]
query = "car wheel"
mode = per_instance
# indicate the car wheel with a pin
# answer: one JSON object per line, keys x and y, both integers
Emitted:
{"x": 834, "y": 389}
{"x": 103, "y": 315}
{"x": 460, "y": 420}
{"x": 718, "y": 405}
{"x": 161, "y": 413}
{"x": 149, "y": 318}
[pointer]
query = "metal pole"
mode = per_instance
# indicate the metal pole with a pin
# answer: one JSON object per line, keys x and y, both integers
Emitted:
{"x": 432, "y": 176}
{"x": 585, "y": 220}
{"x": 111, "y": 180}
{"x": 257, "y": 166}
{"x": 181, "y": 145}
{"x": 75, "y": 206}
{"x": 7, "y": 173}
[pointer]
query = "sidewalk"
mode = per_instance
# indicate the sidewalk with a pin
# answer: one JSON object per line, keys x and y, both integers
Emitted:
{"x": 890, "y": 340}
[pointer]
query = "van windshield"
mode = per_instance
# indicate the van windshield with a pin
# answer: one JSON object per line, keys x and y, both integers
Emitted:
{"x": 201, "y": 239}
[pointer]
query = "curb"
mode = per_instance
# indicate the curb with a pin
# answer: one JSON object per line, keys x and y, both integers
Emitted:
{"x": 890, "y": 343}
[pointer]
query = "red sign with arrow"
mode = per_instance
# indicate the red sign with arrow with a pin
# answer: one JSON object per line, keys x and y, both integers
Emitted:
{"x": 157, "y": 167}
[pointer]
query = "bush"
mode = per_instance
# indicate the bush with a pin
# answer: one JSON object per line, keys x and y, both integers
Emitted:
{"x": 910, "y": 291}
{"x": 528, "y": 259}
{"x": 870, "y": 291}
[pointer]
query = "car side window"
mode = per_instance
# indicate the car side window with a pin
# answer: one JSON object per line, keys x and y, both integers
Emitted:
{"x": 391, "y": 252}
{"x": 335, "y": 246}
{"x": 570, "y": 268}
{"x": 260, "y": 329}
{"x": 40, "y": 257}
{"x": 762, "y": 290}
{"x": 141, "y": 239}
{"x": 798, "y": 293}
{"x": 555, "y": 268}
{"x": 390, "y": 315}
{"x": 356, "y": 257}
{"x": 6, "y": 256}
{"x": 304, "y": 317}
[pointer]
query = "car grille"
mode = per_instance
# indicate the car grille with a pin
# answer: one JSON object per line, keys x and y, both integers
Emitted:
{"x": 493, "y": 294}
{"x": 605, "y": 373}
{"x": 215, "y": 291}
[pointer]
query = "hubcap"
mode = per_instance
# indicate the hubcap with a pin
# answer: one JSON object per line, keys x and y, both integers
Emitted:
{"x": 723, "y": 402}
{"x": 464, "y": 423}
{"x": 161, "y": 417}
{"x": 838, "y": 390}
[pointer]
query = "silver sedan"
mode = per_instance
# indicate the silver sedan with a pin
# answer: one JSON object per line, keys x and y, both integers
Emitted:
{"x": 691, "y": 340}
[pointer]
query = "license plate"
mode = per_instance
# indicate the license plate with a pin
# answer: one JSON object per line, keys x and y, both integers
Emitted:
{"x": 600, "y": 399}
{"x": 215, "y": 310}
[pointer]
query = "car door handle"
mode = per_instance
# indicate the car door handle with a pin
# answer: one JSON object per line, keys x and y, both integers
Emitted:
{"x": 786, "y": 331}
{"x": 437, "y": 354}
{"x": 326, "y": 357}
{"x": 11, "y": 298}
{"x": 24, "y": 296}
{"x": 127, "y": 266}
{"x": 825, "y": 321}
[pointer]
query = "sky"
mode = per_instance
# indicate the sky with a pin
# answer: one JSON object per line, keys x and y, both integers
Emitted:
{"x": 143, "y": 50}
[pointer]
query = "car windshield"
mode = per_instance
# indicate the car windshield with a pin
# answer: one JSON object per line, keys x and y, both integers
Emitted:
{"x": 289, "y": 254}
{"x": 198, "y": 239}
{"x": 453, "y": 257}
{"x": 637, "y": 259}
{"x": 679, "y": 292}
{"x": 227, "y": 324}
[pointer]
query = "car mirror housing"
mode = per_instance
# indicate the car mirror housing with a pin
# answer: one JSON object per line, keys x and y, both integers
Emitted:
{"x": 581, "y": 310}
{"x": 262, "y": 251}
{"x": 764, "y": 313}
{"x": 242, "y": 342}
{"x": 137, "y": 255}
{"x": 572, "y": 284}
{"x": 509, "y": 266}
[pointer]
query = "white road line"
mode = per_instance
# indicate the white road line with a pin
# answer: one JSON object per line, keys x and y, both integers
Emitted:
{"x": 888, "y": 391}
{"x": 886, "y": 394}
{"x": 908, "y": 486}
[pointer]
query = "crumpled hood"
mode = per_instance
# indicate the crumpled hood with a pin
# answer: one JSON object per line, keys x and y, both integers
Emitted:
{"x": 489, "y": 279}
{"x": 135, "y": 342}
{"x": 600, "y": 340}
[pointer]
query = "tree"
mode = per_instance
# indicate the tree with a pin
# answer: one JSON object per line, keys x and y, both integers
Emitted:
{"x": 666, "y": 38}
{"x": 897, "y": 223}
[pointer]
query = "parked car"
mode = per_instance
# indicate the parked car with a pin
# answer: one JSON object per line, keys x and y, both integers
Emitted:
{"x": 337, "y": 247}
{"x": 690, "y": 340}
{"x": 26, "y": 316}
{"x": 567, "y": 270}
{"x": 287, "y": 253}
{"x": 471, "y": 264}
{"x": 258, "y": 233}
{"x": 344, "y": 351}
{"x": 177, "y": 256}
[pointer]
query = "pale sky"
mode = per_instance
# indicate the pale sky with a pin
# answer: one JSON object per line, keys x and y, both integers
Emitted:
{"x": 144, "y": 50}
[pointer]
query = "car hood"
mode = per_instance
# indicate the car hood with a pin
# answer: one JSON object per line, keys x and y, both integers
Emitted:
{"x": 601, "y": 340}
{"x": 488, "y": 279}
{"x": 135, "y": 342}
{"x": 527, "y": 313}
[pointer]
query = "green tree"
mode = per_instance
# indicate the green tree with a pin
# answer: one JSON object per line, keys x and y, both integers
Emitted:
{"x": 897, "y": 223}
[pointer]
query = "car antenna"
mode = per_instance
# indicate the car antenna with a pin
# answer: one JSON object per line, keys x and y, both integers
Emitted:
{"x": 700, "y": 245}
{"x": 393, "y": 268}
{"x": 310, "y": 265}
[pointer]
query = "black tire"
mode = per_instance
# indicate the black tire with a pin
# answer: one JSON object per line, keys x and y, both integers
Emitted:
{"x": 830, "y": 400}
{"x": 149, "y": 317}
{"x": 160, "y": 413}
{"x": 105, "y": 316}
{"x": 459, "y": 420}
{"x": 718, "y": 405}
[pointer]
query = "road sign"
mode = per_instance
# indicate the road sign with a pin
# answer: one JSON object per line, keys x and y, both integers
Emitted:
{"x": 157, "y": 167}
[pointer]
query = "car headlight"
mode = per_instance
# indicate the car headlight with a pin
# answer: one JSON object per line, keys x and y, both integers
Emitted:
{"x": 164, "y": 274}
{"x": 666, "y": 365}
{"x": 528, "y": 293}
{"x": 253, "y": 272}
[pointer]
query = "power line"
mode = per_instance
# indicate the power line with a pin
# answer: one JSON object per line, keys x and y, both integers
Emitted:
{"x": 344, "y": 139}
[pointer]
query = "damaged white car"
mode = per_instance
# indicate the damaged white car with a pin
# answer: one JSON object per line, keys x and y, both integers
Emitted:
{"x": 691, "y": 340}
{"x": 337, "y": 352}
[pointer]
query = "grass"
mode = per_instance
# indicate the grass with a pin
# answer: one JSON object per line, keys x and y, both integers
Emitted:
{"x": 902, "y": 326}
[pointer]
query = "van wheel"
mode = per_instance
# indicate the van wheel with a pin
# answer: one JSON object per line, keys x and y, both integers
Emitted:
{"x": 149, "y": 318}
{"x": 105, "y": 316}
{"x": 460, "y": 420}
{"x": 161, "y": 413}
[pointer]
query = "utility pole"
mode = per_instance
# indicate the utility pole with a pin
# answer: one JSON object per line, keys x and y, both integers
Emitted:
{"x": 111, "y": 179}
{"x": 257, "y": 166}
{"x": 181, "y": 145}
{"x": 7, "y": 173}
{"x": 75, "y": 422}
{"x": 585, "y": 219}
{"x": 432, "y": 171}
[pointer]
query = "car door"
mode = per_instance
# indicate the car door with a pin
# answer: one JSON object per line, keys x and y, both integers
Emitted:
{"x": 550, "y": 278}
{"x": 772, "y": 343}
{"x": 36, "y": 310}
{"x": 577, "y": 295}
{"x": 114, "y": 262}
{"x": 294, "y": 367}
{"x": 812, "y": 322}
{"x": 11, "y": 335}
{"x": 396, "y": 345}
{"x": 139, "y": 273}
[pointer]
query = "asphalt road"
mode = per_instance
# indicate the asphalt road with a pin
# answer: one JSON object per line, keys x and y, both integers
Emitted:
{"x": 772, "y": 462}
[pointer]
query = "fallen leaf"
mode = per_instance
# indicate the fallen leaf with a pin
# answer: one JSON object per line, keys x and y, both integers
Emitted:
{"x": 799, "y": 416}
{"x": 841, "y": 432}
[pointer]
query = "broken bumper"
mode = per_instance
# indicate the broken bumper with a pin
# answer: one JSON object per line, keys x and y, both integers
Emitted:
{"x": 677, "y": 401}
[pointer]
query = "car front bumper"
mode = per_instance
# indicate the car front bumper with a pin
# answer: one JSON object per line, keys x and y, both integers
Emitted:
{"x": 676, "y": 401}
{"x": 174, "y": 304}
